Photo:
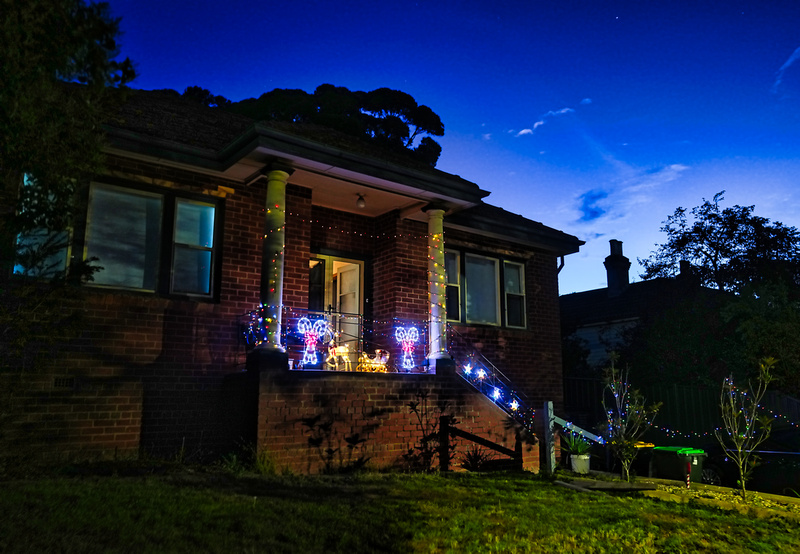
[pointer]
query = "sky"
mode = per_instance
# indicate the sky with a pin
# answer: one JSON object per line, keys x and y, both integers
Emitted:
{"x": 594, "y": 117}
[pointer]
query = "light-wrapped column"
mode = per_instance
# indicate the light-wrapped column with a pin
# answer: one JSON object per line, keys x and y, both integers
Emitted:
{"x": 437, "y": 348}
{"x": 272, "y": 261}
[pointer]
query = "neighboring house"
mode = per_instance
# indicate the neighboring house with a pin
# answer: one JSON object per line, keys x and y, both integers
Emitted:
{"x": 288, "y": 287}
{"x": 599, "y": 318}
{"x": 596, "y": 323}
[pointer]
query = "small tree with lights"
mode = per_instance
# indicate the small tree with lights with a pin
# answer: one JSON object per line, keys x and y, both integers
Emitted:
{"x": 744, "y": 429}
{"x": 627, "y": 415}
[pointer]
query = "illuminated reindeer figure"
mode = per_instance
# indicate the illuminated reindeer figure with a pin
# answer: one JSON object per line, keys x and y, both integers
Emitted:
{"x": 312, "y": 332}
{"x": 335, "y": 353}
{"x": 407, "y": 339}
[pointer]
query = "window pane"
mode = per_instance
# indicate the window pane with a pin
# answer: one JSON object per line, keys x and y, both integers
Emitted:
{"x": 513, "y": 275}
{"x": 194, "y": 224}
{"x": 482, "y": 290}
{"x": 515, "y": 310}
{"x": 123, "y": 232}
{"x": 192, "y": 271}
{"x": 453, "y": 303}
{"x": 41, "y": 253}
{"x": 451, "y": 267}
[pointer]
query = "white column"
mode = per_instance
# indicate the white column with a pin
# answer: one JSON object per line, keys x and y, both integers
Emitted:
{"x": 272, "y": 261}
{"x": 437, "y": 348}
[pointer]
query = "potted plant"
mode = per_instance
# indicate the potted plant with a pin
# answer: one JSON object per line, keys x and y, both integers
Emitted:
{"x": 578, "y": 449}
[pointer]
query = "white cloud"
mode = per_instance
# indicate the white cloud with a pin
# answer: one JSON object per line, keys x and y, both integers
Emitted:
{"x": 562, "y": 111}
{"x": 486, "y": 136}
{"x": 586, "y": 101}
{"x": 551, "y": 113}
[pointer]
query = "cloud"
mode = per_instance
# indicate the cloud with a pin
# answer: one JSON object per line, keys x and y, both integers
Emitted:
{"x": 586, "y": 101}
{"x": 589, "y": 205}
{"x": 782, "y": 71}
{"x": 545, "y": 117}
{"x": 562, "y": 111}
{"x": 627, "y": 195}
{"x": 486, "y": 136}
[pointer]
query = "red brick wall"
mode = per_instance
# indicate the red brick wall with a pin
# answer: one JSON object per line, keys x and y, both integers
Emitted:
{"x": 64, "y": 418}
{"x": 295, "y": 408}
{"x": 531, "y": 357}
{"x": 177, "y": 354}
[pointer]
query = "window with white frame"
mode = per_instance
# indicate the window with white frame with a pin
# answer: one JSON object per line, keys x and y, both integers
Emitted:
{"x": 514, "y": 287}
{"x": 452, "y": 271}
{"x": 152, "y": 241}
{"x": 481, "y": 279}
{"x": 485, "y": 290}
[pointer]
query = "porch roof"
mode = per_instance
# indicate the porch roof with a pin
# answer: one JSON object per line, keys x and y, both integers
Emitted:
{"x": 163, "y": 126}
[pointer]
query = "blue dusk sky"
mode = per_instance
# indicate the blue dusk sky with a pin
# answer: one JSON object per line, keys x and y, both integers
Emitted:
{"x": 595, "y": 117}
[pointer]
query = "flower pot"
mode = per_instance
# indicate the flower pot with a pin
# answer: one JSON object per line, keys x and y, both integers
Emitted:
{"x": 579, "y": 462}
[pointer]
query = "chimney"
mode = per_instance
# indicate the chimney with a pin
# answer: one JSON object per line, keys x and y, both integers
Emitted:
{"x": 617, "y": 267}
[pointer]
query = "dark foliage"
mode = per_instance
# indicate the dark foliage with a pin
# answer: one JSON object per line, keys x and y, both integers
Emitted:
{"x": 59, "y": 74}
{"x": 386, "y": 117}
{"x": 728, "y": 248}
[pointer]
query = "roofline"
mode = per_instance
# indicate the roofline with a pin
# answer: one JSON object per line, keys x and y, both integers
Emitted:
{"x": 287, "y": 146}
{"x": 561, "y": 244}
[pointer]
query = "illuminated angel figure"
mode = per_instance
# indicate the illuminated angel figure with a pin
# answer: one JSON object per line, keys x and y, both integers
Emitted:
{"x": 407, "y": 338}
{"x": 312, "y": 332}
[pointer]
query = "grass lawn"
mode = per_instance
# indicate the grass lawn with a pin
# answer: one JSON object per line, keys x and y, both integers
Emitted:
{"x": 184, "y": 510}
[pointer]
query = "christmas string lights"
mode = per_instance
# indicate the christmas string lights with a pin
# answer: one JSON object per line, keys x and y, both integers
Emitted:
{"x": 496, "y": 389}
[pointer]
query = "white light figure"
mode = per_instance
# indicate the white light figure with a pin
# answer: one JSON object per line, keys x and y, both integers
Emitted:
{"x": 407, "y": 338}
{"x": 312, "y": 332}
{"x": 481, "y": 373}
{"x": 496, "y": 394}
{"x": 514, "y": 405}
{"x": 468, "y": 369}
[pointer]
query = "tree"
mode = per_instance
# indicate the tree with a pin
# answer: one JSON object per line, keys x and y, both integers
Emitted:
{"x": 728, "y": 248}
{"x": 628, "y": 416}
{"x": 204, "y": 97}
{"x": 744, "y": 429}
{"x": 390, "y": 118}
{"x": 59, "y": 74}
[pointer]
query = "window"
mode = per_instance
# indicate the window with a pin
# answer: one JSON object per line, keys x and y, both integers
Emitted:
{"x": 514, "y": 277}
{"x": 156, "y": 242}
{"x": 484, "y": 290}
{"x": 452, "y": 271}
{"x": 41, "y": 252}
{"x": 481, "y": 277}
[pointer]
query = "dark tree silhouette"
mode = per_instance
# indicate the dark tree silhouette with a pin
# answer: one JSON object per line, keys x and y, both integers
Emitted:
{"x": 728, "y": 248}
{"x": 59, "y": 77}
{"x": 390, "y": 118}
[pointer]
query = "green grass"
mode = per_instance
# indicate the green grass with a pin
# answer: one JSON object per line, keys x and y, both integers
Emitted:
{"x": 199, "y": 511}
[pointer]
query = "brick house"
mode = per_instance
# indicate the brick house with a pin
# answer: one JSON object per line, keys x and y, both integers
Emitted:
{"x": 288, "y": 287}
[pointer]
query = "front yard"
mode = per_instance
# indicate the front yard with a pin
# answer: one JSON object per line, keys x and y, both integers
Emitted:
{"x": 178, "y": 509}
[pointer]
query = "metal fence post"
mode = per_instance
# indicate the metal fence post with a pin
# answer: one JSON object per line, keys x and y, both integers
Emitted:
{"x": 549, "y": 439}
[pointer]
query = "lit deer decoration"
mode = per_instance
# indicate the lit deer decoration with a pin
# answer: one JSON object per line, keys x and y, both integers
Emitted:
{"x": 336, "y": 352}
{"x": 312, "y": 332}
{"x": 407, "y": 338}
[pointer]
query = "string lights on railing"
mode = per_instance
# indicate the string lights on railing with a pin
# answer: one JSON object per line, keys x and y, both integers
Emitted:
{"x": 498, "y": 389}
